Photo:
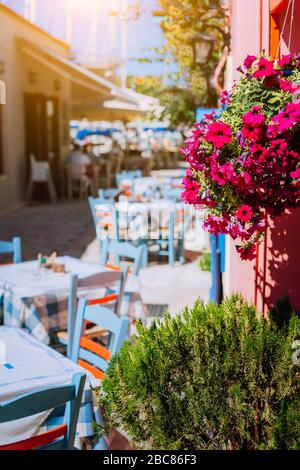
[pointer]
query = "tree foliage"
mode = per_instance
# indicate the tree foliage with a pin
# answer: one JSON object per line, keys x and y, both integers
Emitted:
{"x": 214, "y": 377}
{"x": 182, "y": 21}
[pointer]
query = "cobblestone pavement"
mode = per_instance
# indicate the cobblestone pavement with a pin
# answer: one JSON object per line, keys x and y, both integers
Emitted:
{"x": 65, "y": 227}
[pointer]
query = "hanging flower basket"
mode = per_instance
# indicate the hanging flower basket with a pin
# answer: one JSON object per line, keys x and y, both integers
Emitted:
{"x": 244, "y": 166}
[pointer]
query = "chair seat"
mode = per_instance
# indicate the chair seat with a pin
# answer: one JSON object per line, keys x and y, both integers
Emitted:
{"x": 92, "y": 332}
{"x": 95, "y": 331}
{"x": 63, "y": 337}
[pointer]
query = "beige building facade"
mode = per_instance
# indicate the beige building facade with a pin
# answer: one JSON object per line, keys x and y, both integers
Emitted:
{"x": 41, "y": 90}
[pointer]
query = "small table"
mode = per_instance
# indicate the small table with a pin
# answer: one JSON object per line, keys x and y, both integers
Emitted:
{"x": 149, "y": 220}
{"x": 33, "y": 365}
{"x": 38, "y": 299}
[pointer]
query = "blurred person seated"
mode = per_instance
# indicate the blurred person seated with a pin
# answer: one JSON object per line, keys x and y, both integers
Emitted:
{"x": 79, "y": 172}
{"x": 88, "y": 150}
{"x": 78, "y": 161}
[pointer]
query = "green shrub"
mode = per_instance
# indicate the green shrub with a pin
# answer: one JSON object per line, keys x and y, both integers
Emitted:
{"x": 214, "y": 377}
{"x": 204, "y": 262}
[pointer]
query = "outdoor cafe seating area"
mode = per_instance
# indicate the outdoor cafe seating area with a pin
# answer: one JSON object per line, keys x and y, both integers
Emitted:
{"x": 63, "y": 319}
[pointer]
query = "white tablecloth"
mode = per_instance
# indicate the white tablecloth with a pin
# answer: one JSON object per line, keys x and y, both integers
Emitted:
{"x": 148, "y": 220}
{"x": 27, "y": 280}
{"x": 34, "y": 365}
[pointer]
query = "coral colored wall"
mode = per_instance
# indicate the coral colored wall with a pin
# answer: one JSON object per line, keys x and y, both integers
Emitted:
{"x": 279, "y": 258}
{"x": 247, "y": 38}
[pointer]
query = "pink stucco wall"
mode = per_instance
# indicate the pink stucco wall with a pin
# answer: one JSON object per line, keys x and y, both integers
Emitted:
{"x": 279, "y": 264}
{"x": 246, "y": 32}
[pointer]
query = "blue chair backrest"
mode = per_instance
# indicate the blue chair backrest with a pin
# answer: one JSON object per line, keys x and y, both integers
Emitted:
{"x": 43, "y": 400}
{"x": 13, "y": 247}
{"x": 174, "y": 194}
{"x": 108, "y": 195}
{"x": 104, "y": 217}
{"x": 118, "y": 250}
{"x": 126, "y": 175}
{"x": 89, "y": 284}
{"x": 90, "y": 354}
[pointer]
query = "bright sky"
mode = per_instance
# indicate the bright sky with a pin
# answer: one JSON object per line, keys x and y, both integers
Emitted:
{"x": 51, "y": 15}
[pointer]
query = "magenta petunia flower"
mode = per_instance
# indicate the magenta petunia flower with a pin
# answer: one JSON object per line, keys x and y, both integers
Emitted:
{"x": 219, "y": 134}
{"x": 252, "y": 133}
{"x": 248, "y": 252}
{"x": 295, "y": 174}
{"x": 249, "y": 61}
{"x": 254, "y": 118}
{"x": 265, "y": 68}
{"x": 286, "y": 85}
{"x": 285, "y": 60}
{"x": 279, "y": 147}
{"x": 236, "y": 230}
{"x": 225, "y": 98}
{"x": 244, "y": 213}
{"x": 261, "y": 167}
{"x": 283, "y": 121}
{"x": 293, "y": 110}
{"x": 216, "y": 225}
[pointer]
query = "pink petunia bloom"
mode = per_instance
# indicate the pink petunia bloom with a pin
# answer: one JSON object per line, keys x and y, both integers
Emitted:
{"x": 219, "y": 134}
{"x": 265, "y": 68}
{"x": 249, "y": 61}
{"x": 227, "y": 171}
{"x": 252, "y": 133}
{"x": 254, "y": 118}
{"x": 283, "y": 121}
{"x": 285, "y": 60}
{"x": 286, "y": 85}
{"x": 244, "y": 213}
{"x": 236, "y": 230}
{"x": 248, "y": 252}
{"x": 209, "y": 116}
{"x": 293, "y": 110}
{"x": 258, "y": 153}
{"x": 279, "y": 147}
{"x": 216, "y": 225}
{"x": 225, "y": 98}
{"x": 295, "y": 174}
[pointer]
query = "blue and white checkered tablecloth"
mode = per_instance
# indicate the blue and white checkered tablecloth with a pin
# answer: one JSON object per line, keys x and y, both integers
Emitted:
{"x": 41, "y": 316}
{"x": 33, "y": 366}
{"x": 38, "y": 301}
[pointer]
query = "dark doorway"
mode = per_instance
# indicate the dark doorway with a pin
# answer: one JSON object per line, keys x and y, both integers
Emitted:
{"x": 42, "y": 132}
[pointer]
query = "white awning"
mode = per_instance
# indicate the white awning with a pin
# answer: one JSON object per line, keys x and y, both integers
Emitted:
{"x": 76, "y": 73}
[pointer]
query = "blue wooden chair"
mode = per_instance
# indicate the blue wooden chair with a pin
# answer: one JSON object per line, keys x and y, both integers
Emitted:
{"x": 174, "y": 194}
{"x": 108, "y": 195}
{"x": 90, "y": 354}
{"x": 105, "y": 218}
{"x": 88, "y": 285}
{"x": 14, "y": 247}
{"x": 120, "y": 250}
{"x": 128, "y": 175}
{"x": 168, "y": 244}
{"x": 59, "y": 438}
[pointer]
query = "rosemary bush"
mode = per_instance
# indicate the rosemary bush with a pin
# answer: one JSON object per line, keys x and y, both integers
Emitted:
{"x": 214, "y": 377}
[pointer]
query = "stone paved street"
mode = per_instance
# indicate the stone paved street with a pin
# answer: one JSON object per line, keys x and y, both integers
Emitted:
{"x": 65, "y": 227}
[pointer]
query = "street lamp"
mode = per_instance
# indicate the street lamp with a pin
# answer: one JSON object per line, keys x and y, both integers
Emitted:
{"x": 203, "y": 45}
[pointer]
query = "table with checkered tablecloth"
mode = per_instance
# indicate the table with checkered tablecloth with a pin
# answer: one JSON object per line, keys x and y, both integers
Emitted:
{"x": 38, "y": 300}
{"x": 32, "y": 366}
